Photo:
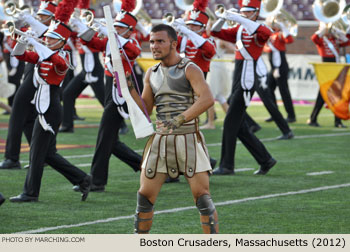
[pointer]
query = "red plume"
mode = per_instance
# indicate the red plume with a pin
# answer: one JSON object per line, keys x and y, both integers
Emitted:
{"x": 65, "y": 9}
{"x": 128, "y": 5}
{"x": 200, "y": 5}
{"x": 84, "y": 4}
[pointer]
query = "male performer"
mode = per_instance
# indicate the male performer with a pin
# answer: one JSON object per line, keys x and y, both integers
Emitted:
{"x": 278, "y": 76}
{"x": 115, "y": 108}
{"x": 91, "y": 74}
{"x": 23, "y": 111}
{"x": 328, "y": 45}
{"x": 250, "y": 37}
{"x": 193, "y": 42}
{"x": 51, "y": 65}
{"x": 177, "y": 147}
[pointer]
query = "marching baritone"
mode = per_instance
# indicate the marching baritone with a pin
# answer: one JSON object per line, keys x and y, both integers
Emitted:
{"x": 51, "y": 65}
{"x": 115, "y": 107}
{"x": 249, "y": 37}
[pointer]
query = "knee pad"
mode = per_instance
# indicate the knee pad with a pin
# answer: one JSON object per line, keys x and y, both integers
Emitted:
{"x": 206, "y": 207}
{"x": 144, "y": 214}
{"x": 143, "y": 204}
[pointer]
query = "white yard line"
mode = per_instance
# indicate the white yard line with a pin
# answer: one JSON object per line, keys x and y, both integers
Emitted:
{"x": 319, "y": 173}
{"x": 181, "y": 209}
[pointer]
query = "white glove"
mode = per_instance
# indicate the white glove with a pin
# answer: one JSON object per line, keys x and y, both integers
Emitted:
{"x": 145, "y": 31}
{"x": 77, "y": 25}
{"x": 321, "y": 30}
{"x": 217, "y": 26}
{"x": 339, "y": 34}
{"x": 179, "y": 22}
{"x": 249, "y": 25}
{"x": 101, "y": 30}
{"x": 43, "y": 51}
{"x": 196, "y": 39}
{"x": 35, "y": 24}
{"x": 20, "y": 47}
{"x": 276, "y": 73}
{"x": 284, "y": 30}
{"x": 122, "y": 41}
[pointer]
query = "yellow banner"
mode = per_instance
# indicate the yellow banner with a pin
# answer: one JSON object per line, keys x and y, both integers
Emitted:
{"x": 146, "y": 63}
{"x": 334, "y": 80}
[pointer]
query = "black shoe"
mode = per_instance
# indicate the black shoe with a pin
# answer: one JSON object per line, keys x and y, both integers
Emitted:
{"x": 93, "y": 188}
{"x": 254, "y": 128}
{"x": 23, "y": 198}
{"x": 65, "y": 129}
{"x": 291, "y": 120}
{"x": 172, "y": 180}
{"x": 266, "y": 167}
{"x": 6, "y": 112}
{"x": 339, "y": 125}
{"x": 212, "y": 162}
{"x": 124, "y": 130}
{"x": 223, "y": 171}
{"x": 78, "y": 118}
{"x": 269, "y": 119}
{"x": 9, "y": 164}
{"x": 85, "y": 187}
{"x": 286, "y": 136}
{"x": 2, "y": 199}
{"x": 313, "y": 124}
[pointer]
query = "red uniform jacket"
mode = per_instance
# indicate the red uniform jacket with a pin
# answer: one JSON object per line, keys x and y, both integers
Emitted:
{"x": 279, "y": 42}
{"x": 253, "y": 43}
{"x": 322, "y": 46}
{"x": 202, "y": 55}
{"x": 132, "y": 50}
{"x": 52, "y": 70}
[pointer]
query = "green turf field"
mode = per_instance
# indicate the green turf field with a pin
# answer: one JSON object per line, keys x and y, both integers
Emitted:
{"x": 287, "y": 200}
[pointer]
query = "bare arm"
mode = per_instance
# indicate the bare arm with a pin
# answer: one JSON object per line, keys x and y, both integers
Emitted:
{"x": 205, "y": 99}
{"x": 147, "y": 94}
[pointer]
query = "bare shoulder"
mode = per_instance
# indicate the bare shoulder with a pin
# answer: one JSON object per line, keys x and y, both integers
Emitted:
{"x": 192, "y": 70}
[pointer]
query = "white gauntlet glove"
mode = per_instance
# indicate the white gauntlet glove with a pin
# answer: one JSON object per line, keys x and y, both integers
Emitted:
{"x": 20, "y": 47}
{"x": 43, "y": 51}
{"x": 321, "y": 30}
{"x": 122, "y": 41}
{"x": 284, "y": 30}
{"x": 101, "y": 30}
{"x": 339, "y": 34}
{"x": 77, "y": 25}
{"x": 36, "y": 26}
{"x": 217, "y": 26}
{"x": 196, "y": 39}
{"x": 249, "y": 25}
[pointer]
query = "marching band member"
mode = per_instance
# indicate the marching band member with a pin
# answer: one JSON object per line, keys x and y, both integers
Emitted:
{"x": 115, "y": 107}
{"x": 91, "y": 74}
{"x": 51, "y": 65}
{"x": 23, "y": 111}
{"x": 328, "y": 45}
{"x": 249, "y": 37}
{"x": 278, "y": 76}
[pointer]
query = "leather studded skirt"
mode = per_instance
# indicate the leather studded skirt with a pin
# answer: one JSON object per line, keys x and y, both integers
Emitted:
{"x": 176, "y": 154}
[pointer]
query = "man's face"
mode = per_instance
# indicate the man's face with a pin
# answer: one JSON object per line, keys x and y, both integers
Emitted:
{"x": 161, "y": 45}
{"x": 194, "y": 27}
{"x": 252, "y": 15}
{"x": 45, "y": 19}
{"x": 53, "y": 44}
{"x": 123, "y": 31}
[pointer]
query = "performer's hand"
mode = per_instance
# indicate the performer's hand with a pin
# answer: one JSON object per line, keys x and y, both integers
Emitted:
{"x": 183, "y": 30}
{"x": 171, "y": 125}
{"x": 179, "y": 22}
{"x": 276, "y": 73}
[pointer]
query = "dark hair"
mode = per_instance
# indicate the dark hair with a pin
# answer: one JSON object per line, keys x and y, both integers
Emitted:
{"x": 163, "y": 27}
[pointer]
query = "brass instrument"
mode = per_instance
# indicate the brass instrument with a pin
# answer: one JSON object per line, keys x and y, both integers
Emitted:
{"x": 285, "y": 18}
{"x": 328, "y": 11}
{"x": 219, "y": 10}
{"x": 185, "y": 5}
{"x": 10, "y": 8}
{"x": 12, "y": 30}
{"x": 140, "y": 13}
{"x": 270, "y": 8}
{"x": 168, "y": 18}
